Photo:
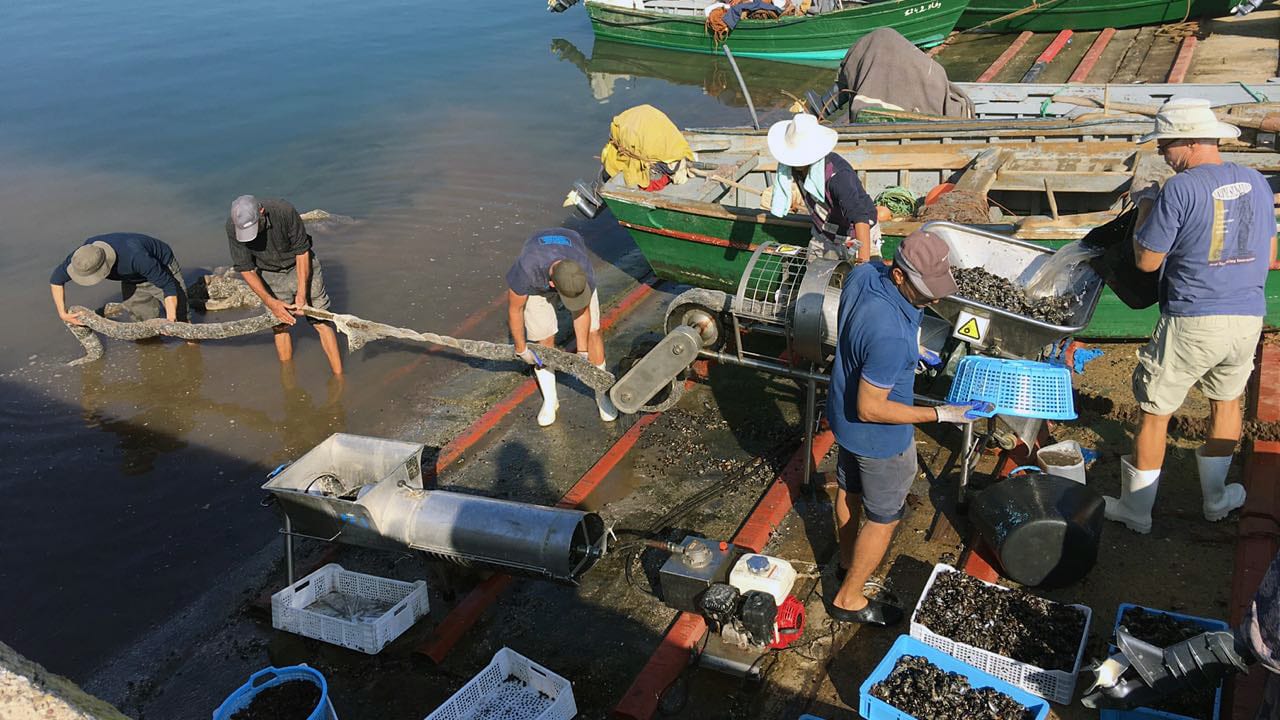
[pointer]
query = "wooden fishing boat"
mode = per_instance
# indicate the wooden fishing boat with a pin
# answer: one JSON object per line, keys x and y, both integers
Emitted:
{"x": 1055, "y": 15}
{"x": 821, "y": 39}
{"x": 1048, "y": 191}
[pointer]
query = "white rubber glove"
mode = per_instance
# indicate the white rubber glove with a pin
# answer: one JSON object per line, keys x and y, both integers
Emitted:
{"x": 954, "y": 414}
{"x": 528, "y": 356}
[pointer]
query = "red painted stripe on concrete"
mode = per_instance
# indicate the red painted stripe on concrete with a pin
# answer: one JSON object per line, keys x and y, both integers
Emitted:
{"x": 1182, "y": 63}
{"x": 995, "y": 67}
{"x": 665, "y": 665}
{"x": 779, "y": 498}
{"x": 1265, "y": 384}
{"x": 1258, "y": 534}
{"x": 672, "y": 656}
{"x": 483, "y": 596}
{"x": 1091, "y": 57}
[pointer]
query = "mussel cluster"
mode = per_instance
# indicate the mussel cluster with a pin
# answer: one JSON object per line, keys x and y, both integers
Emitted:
{"x": 1162, "y": 631}
{"x": 1012, "y": 623}
{"x": 924, "y": 690}
{"x": 978, "y": 284}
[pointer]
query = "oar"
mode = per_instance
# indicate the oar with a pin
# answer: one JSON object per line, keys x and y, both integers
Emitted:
{"x": 1264, "y": 117}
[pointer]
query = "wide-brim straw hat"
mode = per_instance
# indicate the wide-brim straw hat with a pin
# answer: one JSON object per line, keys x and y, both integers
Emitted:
{"x": 1193, "y": 118}
{"x": 91, "y": 264}
{"x": 800, "y": 141}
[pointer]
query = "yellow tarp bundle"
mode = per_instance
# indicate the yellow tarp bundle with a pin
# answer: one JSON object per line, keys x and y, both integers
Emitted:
{"x": 638, "y": 138}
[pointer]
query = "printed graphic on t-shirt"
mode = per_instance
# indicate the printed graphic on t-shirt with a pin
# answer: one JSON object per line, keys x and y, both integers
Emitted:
{"x": 554, "y": 240}
{"x": 1232, "y": 225}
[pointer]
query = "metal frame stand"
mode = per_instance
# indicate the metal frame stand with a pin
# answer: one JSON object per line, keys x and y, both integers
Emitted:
{"x": 810, "y": 419}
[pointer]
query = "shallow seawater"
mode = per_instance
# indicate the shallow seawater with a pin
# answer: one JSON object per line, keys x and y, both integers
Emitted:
{"x": 449, "y": 132}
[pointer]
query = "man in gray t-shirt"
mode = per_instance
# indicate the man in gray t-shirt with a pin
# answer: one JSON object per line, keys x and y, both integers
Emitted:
{"x": 1211, "y": 233}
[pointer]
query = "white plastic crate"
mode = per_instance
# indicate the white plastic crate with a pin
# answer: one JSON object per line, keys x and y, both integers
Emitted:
{"x": 406, "y": 603}
{"x": 1054, "y": 685}
{"x": 512, "y": 687}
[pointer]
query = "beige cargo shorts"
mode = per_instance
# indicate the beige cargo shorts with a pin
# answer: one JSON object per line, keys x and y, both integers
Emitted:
{"x": 1215, "y": 351}
{"x": 540, "y": 317}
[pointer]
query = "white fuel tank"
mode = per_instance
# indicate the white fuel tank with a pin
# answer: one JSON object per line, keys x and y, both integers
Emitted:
{"x": 763, "y": 573}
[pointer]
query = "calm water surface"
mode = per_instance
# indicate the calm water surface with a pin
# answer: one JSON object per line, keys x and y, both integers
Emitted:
{"x": 449, "y": 131}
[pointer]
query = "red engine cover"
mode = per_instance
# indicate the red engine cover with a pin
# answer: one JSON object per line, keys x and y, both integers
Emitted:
{"x": 790, "y": 622}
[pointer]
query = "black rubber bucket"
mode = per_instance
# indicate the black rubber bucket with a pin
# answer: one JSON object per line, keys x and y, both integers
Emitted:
{"x": 1044, "y": 529}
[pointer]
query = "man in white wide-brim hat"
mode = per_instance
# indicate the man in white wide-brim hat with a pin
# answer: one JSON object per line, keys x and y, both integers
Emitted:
{"x": 843, "y": 214}
{"x": 1211, "y": 233}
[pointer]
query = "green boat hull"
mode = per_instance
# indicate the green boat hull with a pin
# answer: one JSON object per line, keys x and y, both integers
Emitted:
{"x": 697, "y": 250}
{"x": 1058, "y": 15}
{"x": 818, "y": 39}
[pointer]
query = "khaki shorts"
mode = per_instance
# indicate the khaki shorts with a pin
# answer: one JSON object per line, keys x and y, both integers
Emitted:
{"x": 146, "y": 301}
{"x": 284, "y": 286}
{"x": 540, "y": 317}
{"x": 1215, "y": 351}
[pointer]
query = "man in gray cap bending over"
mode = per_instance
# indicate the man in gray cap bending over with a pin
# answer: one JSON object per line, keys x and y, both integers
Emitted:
{"x": 554, "y": 263}
{"x": 271, "y": 249}
{"x": 149, "y": 275}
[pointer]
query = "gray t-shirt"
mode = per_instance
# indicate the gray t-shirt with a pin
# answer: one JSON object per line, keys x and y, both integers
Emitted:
{"x": 1215, "y": 224}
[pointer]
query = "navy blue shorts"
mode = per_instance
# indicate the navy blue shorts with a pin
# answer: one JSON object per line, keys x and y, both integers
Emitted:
{"x": 883, "y": 483}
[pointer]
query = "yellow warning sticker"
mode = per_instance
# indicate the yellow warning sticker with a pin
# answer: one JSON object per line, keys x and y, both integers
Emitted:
{"x": 972, "y": 328}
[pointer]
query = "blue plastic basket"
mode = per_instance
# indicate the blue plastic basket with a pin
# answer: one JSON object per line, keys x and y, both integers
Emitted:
{"x": 1023, "y": 388}
{"x": 873, "y": 708}
{"x": 1148, "y": 713}
{"x": 270, "y": 677}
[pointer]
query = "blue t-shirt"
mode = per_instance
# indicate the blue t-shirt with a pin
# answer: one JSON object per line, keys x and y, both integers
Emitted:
{"x": 139, "y": 258}
{"x": 1215, "y": 224}
{"x": 532, "y": 270}
{"x": 878, "y": 342}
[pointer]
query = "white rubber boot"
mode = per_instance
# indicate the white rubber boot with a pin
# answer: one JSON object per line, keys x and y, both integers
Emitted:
{"x": 550, "y": 403}
{"x": 608, "y": 412}
{"x": 1137, "y": 496}
{"x": 1219, "y": 497}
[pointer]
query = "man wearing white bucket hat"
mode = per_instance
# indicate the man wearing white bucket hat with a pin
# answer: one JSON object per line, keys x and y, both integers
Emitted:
{"x": 843, "y": 214}
{"x": 1211, "y": 233}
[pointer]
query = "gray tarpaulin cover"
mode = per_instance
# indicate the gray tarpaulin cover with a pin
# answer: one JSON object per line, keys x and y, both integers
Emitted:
{"x": 885, "y": 66}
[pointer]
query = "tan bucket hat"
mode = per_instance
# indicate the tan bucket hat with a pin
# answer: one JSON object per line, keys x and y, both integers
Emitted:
{"x": 1189, "y": 118}
{"x": 800, "y": 141}
{"x": 92, "y": 263}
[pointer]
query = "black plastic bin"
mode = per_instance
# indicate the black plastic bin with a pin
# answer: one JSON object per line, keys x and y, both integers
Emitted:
{"x": 1044, "y": 529}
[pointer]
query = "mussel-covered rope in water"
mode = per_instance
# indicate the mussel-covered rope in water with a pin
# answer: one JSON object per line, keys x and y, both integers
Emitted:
{"x": 359, "y": 332}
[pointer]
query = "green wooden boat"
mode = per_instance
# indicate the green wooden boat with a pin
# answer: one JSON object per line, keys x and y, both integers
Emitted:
{"x": 1052, "y": 192}
{"x": 817, "y": 39}
{"x": 1055, "y": 15}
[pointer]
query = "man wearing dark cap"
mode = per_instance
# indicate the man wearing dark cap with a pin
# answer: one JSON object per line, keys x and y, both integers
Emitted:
{"x": 554, "y": 264}
{"x": 871, "y": 411}
{"x": 271, "y": 250}
{"x": 150, "y": 278}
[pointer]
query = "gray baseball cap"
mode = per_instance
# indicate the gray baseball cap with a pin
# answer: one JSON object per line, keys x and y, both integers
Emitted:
{"x": 244, "y": 215}
{"x": 925, "y": 258}
{"x": 90, "y": 264}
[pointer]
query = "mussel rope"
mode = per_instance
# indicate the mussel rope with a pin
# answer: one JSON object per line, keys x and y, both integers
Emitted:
{"x": 358, "y": 331}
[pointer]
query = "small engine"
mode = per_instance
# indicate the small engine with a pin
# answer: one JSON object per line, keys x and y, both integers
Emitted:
{"x": 745, "y": 598}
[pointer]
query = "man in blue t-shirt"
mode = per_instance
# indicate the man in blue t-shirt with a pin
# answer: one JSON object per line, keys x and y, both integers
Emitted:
{"x": 554, "y": 264}
{"x": 149, "y": 275}
{"x": 1212, "y": 234}
{"x": 871, "y": 410}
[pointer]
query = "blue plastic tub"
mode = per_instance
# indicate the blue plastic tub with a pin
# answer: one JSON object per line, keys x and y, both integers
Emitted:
{"x": 1148, "y": 713}
{"x": 873, "y": 708}
{"x": 270, "y": 677}
{"x": 1022, "y": 388}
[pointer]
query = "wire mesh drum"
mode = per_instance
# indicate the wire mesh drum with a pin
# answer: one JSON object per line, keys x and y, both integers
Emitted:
{"x": 770, "y": 284}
